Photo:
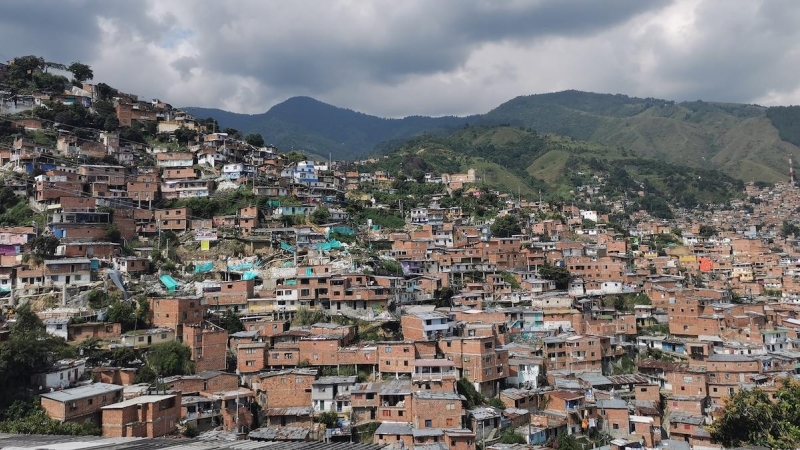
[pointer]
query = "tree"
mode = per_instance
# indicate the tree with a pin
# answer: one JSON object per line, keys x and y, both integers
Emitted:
{"x": 231, "y": 322}
{"x": 505, "y": 226}
{"x": 789, "y": 229}
{"x": 321, "y": 216}
{"x": 38, "y": 422}
{"x": 707, "y": 230}
{"x": 751, "y": 418}
{"x": 329, "y": 418}
{"x": 232, "y": 132}
{"x": 560, "y": 275}
{"x": 183, "y": 135}
{"x": 565, "y": 441}
{"x": 255, "y": 140}
{"x": 465, "y": 388}
{"x": 28, "y": 350}
{"x": 496, "y": 402}
{"x": 131, "y": 314}
{"x": 80, "y": 72}
{"x": 305, "y": 316}
{"x": 170, "y": 358}
{"x": 191, "y": 431}
{"x": 112, "y": 233}
{"x": 510, "y": 436}
{"x": 105, "y": 92}
{"x": 44, "y": 246}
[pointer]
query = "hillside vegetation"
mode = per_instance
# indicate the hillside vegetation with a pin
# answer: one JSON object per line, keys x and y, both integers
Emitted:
{"x": 739, "y": 139}
{"x": 748, "y": 142}
{"x": 306, "y": 124}
{"x": 512, "y": 159}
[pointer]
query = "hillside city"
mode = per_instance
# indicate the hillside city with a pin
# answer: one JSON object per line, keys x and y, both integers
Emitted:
{"x": 166, "y": 278}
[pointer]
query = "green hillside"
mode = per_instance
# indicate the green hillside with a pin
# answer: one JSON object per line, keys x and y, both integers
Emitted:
{"x": 737, "y": 138}
{"x": 306, "y": 124}
{"x": 748, "y": 142}
{"x": 511, "y": 159}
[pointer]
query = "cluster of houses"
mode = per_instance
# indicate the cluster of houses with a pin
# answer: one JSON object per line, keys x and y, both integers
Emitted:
{"x": 715, "y": 309}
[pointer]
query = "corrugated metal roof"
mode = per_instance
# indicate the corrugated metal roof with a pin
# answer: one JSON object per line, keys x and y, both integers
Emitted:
{"x": 82, "y": 392}
{"x": 395, "y": 428}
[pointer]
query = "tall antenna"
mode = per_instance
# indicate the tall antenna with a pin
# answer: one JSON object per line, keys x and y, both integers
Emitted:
{"x": 791, "y": 171}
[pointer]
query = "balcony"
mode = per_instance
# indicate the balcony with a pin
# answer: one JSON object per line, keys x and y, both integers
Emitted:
{"x": 575, "y": 408}
{"x": 435, "y": 376}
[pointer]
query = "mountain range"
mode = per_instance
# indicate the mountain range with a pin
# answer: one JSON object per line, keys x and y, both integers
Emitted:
{"x": 747, "y": 142}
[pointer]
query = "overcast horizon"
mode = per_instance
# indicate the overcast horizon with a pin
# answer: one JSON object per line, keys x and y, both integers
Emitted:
{"x": 395, "y": 59}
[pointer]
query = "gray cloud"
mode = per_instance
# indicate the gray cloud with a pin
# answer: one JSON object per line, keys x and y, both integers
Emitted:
{"x": 417, "y": 56}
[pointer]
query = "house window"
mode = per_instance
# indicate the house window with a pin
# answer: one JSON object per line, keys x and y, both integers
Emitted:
{"x": 388, "y": 349}
{"x": 387, "y": 413}
{"x": 250, "y": 363}
{"x": 616, "y": 426}
{"x": 428, "y": 423}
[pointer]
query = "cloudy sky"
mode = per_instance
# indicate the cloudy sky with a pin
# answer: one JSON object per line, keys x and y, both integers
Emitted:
{"x": 434, "y": 57}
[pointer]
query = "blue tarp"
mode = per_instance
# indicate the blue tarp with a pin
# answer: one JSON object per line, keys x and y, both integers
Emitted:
{"x": 326, "y": 246}
{"x": 204, "y": 267}
{"x": 240, "y": 266}
{"x": 169, "y": 282}
{"x": 342, "y": 230}
{"x": 287, "y": 247}
{"x": 249, "y": 275}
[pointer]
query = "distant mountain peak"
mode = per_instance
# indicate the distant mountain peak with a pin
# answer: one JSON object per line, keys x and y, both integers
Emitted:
{"x": 739, "y": 139}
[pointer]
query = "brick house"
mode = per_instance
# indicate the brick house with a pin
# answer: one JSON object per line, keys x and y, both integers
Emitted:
{"x": 175, "y": 219}
{"x": 286, "y": 388}
{"x": 145, "y": 416}
{"x": 115, "y": 375}
{"x": 479, "y": 360}
{"x": 388, "y": 401}
{"x": 431, "y": 409}
{"x": 396, "y": 357}
{"x": 251, "y": 357}
{"x": 101, "y": 330}
{"x": 615, "y": 419}
{"x": 80, "y": 404}
{"x": 175, "y": 312}
{"x": 209, "y": 346}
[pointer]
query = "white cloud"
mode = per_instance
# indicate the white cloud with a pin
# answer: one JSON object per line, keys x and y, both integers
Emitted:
{"x": 419, "y": 57}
